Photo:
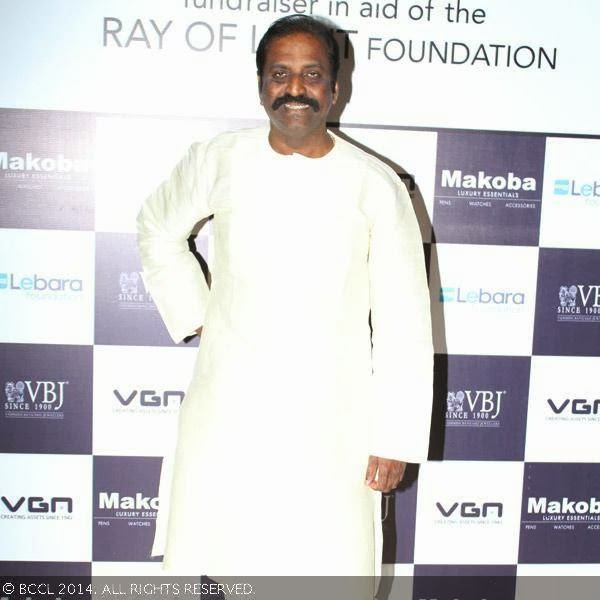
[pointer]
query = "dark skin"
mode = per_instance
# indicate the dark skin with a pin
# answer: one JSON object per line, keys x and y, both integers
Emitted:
{"x": 297, "y": 65}
{"x": 297, "y": 92}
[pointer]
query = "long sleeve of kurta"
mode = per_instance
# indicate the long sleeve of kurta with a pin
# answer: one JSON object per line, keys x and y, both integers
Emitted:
{"x": 171, "y": 273}
{"x": 402, "y": 354}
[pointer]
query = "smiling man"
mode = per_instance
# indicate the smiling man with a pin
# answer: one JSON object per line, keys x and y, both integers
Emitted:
{"x": 298, "y": 415}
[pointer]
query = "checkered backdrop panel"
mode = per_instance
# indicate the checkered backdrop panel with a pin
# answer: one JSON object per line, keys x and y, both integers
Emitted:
{"x": 92, "y": 383}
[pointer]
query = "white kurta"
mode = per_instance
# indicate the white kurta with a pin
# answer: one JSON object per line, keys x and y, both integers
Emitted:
{"x": 288, "y": 399}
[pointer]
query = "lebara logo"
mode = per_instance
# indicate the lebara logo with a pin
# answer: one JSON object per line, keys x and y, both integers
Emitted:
{"x": 484, "y": 185}
{"x": 36, "y": 507}
{"x": 470, "y": 513}
{"x": 573, "y": 188}
{"x": 500, "y": 300}
{"x": 41, "y": 286}
{"x": 574, "y": 409}
{"x": 147, "y": 401}
{"x": 474, "y": 408}
{"x": 29, "y": 163}
{"x": 132, "y": 292}
{"x": 34, "y": 399}
{"x": 138, "y": 510}
{"x": 562, "y": 513}
{"x": 578, "y": 303}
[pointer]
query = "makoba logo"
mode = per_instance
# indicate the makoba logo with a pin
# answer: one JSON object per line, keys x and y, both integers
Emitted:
{"x": 563, "y": 509}
{"x": 34, "y": 399}
{"x": 138, "y": 510}
{"x": 484, "y": 185}
{"x": 30, "y": 163}
{"x": 578, "y": 303}
{"x": 36, "y": 507}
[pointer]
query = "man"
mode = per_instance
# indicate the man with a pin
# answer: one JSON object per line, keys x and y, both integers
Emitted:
{"x": 293, "y": 424}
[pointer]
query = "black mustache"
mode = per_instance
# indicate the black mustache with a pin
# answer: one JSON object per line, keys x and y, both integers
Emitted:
{"x": 300, "y": 99}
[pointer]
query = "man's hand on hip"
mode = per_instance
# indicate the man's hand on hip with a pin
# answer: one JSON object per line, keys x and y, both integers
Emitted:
{"x": 384, "y": 474}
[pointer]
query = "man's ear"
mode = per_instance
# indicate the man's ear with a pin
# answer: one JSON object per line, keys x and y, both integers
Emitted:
{"x": 259, "y": 82}
{"x": 336, "y": 92}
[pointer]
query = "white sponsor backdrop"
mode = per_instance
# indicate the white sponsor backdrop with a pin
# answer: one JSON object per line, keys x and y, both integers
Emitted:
{"x": 114, "y": 57}
{"x": 149, "y": 94}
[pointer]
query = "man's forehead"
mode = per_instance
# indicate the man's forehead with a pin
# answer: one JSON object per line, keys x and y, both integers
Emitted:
{"x": 281, "y": 62}
{"x": 291, "y": 45}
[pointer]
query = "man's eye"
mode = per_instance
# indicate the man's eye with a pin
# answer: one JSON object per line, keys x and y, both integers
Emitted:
{"x": 278, "y": 74}
{"x": 313, "y": 75}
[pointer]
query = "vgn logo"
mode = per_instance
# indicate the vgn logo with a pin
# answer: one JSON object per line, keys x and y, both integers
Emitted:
{"x": 481, "y": 296}
{"x": 133, "y": 293}
{"x": 487, "y": 186}
{"x": 578, "y": 303}
{"x": 142, "y": 400}
{"x": 35, "y": 283}
{"x": 37, "y": 399}
{"x": 474, "y": 408}
{"x": 471, "y": 512}
{"x": 138, "y": 509}
{"x": 576, "y": 409}
{"x": 36, "y": 507}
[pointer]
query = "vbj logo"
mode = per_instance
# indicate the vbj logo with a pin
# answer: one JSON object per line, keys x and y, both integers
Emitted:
{"x": 483, "y": 403}
{"x": 45, "y": 394}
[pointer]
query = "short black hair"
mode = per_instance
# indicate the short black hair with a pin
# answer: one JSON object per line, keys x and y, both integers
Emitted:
{"x": 300, "y": 24}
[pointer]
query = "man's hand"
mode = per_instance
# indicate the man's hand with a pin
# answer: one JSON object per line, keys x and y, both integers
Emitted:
{"x": 384, "y": 474}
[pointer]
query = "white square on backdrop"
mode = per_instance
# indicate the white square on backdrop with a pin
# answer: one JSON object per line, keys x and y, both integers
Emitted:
{"x": 571, "y": 199}
{"x": 47, "y": 286}
{"x": 563, "y": 413}
{"x": 415, "y": 153}
{"x": 468, "y": 513}
{"x": 137, "y": 394}
{"x": 483, "y": 298}
{"x": 46, "y": 507}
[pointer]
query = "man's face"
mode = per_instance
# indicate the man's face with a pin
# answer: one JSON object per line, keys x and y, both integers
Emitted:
{"x": 296, "y": 88}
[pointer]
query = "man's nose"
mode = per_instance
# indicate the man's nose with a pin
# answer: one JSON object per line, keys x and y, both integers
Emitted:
{"x": 296, "y": 86}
